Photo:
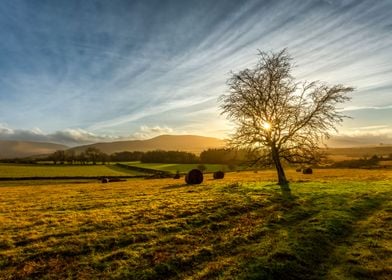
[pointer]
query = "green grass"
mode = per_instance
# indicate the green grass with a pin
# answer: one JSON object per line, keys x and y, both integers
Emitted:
{"x": 183, "y": 168}
{"x": 337, "y": 227}
{"x": 33, "y": 170}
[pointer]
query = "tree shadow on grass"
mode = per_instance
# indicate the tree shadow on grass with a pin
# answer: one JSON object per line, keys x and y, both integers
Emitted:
{"x": 306, "y": 236}
{"x": 312, "y": 237}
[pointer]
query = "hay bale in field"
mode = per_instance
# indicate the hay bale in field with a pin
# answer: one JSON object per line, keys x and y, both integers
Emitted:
{"x": 104, "y": 180}
{"x": 298, "y": 170}
{"x": 219, "y": 175}
{"x": 195, "y": 176}
{"x": 307, "y": 171}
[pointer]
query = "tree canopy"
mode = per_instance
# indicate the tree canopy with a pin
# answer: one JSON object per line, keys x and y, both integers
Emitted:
{"x": 279, "y": 118}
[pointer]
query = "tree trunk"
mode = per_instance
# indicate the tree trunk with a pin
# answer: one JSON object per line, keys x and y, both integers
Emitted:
{"x": 284, "y": 184}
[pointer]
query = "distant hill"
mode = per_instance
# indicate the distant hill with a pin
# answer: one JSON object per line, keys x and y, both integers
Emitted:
{"x": 358, "y": 152}
{"x": 20, "y": 149}
{"x": 187, "y": 143}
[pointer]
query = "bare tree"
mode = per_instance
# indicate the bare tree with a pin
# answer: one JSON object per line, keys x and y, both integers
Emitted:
{"x": 92, "y": 154}
{"x": 82, "y": 158}
{"x": 70, "y": 156}
{"x": 279, "y": 119}
{"x": 58, "y": 156}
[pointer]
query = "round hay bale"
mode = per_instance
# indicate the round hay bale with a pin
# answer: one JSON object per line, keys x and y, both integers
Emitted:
{"x": 104, "y": 180}
{"x": 307, "y": 171}
{"x": 195, "y": 176}
{"x": 219, "y": 175}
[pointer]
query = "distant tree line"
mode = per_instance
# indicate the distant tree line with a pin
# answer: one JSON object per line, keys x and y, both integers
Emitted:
{"x": 19, "y": 160}
{"x": 126, "y": 156}
{"x": 93, "y": 156}
{"x": 231, "y": 158}
{"x": 169, "y": 157}
{"x": 90, "y": 155}
{"x": 364, "y": 162}
{"x": 224, "y": 156}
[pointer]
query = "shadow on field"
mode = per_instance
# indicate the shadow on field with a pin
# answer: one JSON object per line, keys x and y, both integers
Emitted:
{"x": 236, "y": 231}
{"x": 313, "y": 235}
{"x": 299, "y": 244}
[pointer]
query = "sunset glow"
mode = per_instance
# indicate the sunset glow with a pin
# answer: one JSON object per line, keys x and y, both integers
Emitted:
{"x": 266, "y": 125}
{"x": 195, "y": 139}
{"x": 77, "y": 72}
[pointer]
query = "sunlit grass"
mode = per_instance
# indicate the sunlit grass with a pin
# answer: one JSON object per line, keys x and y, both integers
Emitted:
{"x": 173, "y": 167}
{"x": 338, "y": 227}
{"x": 32, "y": 170}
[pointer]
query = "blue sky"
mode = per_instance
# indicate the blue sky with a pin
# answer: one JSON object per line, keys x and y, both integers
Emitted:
{"x": 84, "y": 71}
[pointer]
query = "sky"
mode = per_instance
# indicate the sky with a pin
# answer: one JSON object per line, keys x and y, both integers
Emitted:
{"x": 76, "y": 72}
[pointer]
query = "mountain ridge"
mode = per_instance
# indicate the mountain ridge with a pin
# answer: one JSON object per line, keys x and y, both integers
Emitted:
{"x": 186, "y": 143}
{"x": 20, "y": 149}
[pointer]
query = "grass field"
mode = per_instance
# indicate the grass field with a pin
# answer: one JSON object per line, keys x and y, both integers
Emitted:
{"x": 183, "y": 168}
{"x": 337, "y": 227}
{"x": 33, "y": 170}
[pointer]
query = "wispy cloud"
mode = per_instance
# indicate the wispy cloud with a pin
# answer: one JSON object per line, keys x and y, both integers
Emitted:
{"x": 75, "y": 137}
{"x": 363, "y": 139}
{"x": 146, "y": 132}
{"x": 69, "y": 137}
{"x": 109, "y": 68}
{"x": 359, "y": 108}
{"x": 363, "y": 135}
{"x": 376, "y": 128}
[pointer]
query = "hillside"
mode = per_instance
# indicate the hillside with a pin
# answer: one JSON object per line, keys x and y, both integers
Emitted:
{"x": 358, "y": 152}
{"x": 196, "y": 144}
{"x": 19, "y": 149}
{"x": 188, "y": 143}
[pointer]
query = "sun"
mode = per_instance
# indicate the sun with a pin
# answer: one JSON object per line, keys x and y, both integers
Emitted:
{"x": 266, "y": 125}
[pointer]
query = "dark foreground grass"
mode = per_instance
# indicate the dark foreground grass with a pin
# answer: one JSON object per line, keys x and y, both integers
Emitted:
{"x": 338, "y": 226}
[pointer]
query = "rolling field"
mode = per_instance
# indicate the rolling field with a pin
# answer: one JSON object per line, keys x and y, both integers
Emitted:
{"x": 19, "y": 170}
{"x": 339, "y": 226}
{"x": 183, "y": 168}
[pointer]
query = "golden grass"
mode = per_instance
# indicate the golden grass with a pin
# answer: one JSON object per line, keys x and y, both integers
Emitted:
{"x": 19, "y": 170}
{"x": 183, "y": 168}
{"x": 338, "y": 227}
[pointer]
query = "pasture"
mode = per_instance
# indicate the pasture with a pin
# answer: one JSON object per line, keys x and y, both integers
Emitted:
{"x": 182, "y": 168}
{"x": 337, "y": 227}
{"x": 50, "y": 170}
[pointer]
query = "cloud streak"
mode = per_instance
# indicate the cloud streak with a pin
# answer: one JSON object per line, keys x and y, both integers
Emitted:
{"x": 69, "y": 137}
{"x": 75, "y": 137}
{"x": 109, "y": 68}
